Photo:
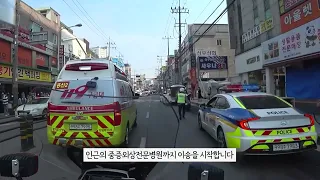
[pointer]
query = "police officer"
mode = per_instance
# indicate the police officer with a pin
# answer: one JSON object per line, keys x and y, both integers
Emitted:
{"x": 181, "y": 100}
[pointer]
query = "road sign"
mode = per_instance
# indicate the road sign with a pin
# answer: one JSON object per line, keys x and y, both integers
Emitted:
{"x": 39, "y": 37}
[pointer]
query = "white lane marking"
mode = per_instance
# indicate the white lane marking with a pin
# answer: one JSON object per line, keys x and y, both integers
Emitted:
{"x": 143, "y": 142}
{"x": 147, "y": 116}
{"x": 8, "y": 124}
{"x": 318, "y": 149}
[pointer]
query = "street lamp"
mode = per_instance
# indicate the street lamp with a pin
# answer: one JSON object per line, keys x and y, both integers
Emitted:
{"x": 59, "y": 41}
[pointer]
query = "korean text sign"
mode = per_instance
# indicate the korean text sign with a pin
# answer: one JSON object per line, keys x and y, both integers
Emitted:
{"x": 300, "y": 15}
{"x": 287, "y": 5}
{"x": 301, "y": 41}
{"x": 213, "y": 62}
{"x": 25, "y": 74}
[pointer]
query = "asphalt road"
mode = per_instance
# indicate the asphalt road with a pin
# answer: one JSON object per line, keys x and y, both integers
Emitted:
{"x": 157, "y": 126}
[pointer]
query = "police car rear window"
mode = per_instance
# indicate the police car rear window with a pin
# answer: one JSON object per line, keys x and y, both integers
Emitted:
{"x": 262, "y": 102}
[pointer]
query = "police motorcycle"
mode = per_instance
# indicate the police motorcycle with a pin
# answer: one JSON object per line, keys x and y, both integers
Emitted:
{"x": 20, "y": 165}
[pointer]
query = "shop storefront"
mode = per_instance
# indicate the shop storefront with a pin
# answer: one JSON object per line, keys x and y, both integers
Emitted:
{"x": 249, "y": 67}
{"x": 33, "y": 68}
{"x": 294, "y": 57}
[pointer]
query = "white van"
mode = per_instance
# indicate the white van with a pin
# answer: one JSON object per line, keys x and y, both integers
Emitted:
{"x": 91, "y": 105}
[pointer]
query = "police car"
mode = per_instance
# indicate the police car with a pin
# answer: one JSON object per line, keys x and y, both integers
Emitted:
{"x": 256, "y": 122}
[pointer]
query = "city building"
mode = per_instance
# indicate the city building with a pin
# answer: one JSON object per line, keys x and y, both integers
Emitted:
{"x": 38, "y": 48}
{"x": 127, "y": 70}
{"x": 72, "y": 46}
{"x": 210, "y": 57}
{"x": 100, "y": 51}
{"x": 278, "y": 46}
{"x": 252, "y": 22}
{"x": 294, "y": 54}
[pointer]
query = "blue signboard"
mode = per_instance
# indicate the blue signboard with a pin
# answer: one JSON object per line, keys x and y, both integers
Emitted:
{"x": 118, "y": 62}
{"x": 213, "y": 62}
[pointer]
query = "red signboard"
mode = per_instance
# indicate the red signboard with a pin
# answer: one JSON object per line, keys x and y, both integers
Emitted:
{"x": 41, "y": 60}
{"x": 5, "y": 51}
{"x": 24, "y": 36}
{"x": 302, "y": 14}
{"x": 24, "y": 57}
{"x": 54, "y": 62}
{"x": 176, "y": 64}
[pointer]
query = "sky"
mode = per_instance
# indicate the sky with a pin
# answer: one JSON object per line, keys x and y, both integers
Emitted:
{"x": 137, "y": 27}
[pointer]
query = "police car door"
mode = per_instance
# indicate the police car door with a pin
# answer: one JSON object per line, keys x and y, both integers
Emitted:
{"x": 221, "y": 104}
{"x": 208, "y": 115}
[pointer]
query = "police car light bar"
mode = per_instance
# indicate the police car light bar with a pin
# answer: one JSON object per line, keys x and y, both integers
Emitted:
{"x": 240, "y": 88}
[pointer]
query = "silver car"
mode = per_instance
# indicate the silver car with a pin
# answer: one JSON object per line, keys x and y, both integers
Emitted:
{"x": 257, "y": 123}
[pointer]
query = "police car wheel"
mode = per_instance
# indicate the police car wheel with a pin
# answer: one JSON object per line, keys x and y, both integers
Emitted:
{"x": 199, "y": 122}
{"x": 221, "y": 139}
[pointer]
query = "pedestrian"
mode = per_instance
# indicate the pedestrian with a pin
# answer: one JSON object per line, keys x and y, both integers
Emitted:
{"x": 181, "y": 100}
{"x": 5, "y": 102}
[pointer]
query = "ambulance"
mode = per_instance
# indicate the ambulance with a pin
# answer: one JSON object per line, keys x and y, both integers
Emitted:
{"x": 91, "y": 105}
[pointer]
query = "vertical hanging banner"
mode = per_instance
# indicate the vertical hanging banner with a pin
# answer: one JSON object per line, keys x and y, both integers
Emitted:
{"x": 61, "y": 56}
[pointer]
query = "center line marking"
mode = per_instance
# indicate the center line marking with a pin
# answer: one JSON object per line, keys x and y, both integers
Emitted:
{"x": 143, "y": 142}
{"x": 147, "y": 116}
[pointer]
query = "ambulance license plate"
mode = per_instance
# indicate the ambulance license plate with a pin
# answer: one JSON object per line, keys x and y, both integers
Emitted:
{"x": 80, "y": 126}
{"x": 285, "y": 147}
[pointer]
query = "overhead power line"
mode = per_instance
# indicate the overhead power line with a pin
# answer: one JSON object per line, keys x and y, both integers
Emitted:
{"x": 211, "y": 25}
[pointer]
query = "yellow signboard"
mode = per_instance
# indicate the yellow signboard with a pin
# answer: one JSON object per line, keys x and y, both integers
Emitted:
{"x": 266, "y": 25}
{"x": 25, "y": 74}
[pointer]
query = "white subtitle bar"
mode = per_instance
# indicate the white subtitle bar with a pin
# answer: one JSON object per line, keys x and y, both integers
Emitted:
{"x": 159, "y": 155}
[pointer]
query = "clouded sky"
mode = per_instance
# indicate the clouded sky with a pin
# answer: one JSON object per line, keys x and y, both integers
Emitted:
{"x": 136, "y": 26}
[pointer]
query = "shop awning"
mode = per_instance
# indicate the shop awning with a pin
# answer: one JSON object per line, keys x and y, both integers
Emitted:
{"x": 26, "y": 82}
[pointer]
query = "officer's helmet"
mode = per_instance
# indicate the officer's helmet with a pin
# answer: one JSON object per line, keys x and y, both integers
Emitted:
{"x": 181, "y": 90}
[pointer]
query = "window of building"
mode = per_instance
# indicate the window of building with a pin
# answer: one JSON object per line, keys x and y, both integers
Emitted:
{"x": 34, "y": 27}
{"x": 254, "y": 2}
{"x": 219, "y": 43}
{"x": 54, "y": 38}
{"x": 256, "y": 21}
{"x": 255, "y": 12}
{"x": 269, "y": 34}
{"x": 266, "y": 4}
{"x": 268, "y": 14}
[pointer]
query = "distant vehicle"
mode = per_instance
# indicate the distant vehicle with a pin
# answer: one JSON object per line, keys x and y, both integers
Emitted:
{"x": 172, "y": 95}
{"x": 256, "y": 122}
{"x": 37, "y": 108}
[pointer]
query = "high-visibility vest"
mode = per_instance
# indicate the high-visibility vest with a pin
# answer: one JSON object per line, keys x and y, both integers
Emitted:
{"x": 181, "y": 98}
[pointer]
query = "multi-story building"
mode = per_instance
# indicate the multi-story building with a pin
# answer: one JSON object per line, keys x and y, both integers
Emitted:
{"x": 209, "y": 57}
{"x": 127, "y": 70}
{"x": 252, "y": 22}
{"x": 281, "y": 39}
{"x": 37, "y": 57}
{"x": 100, "y": 51}
{"x": 74, "y": 47}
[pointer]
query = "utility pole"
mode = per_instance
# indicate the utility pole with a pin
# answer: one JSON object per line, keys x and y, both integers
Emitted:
{"x": 180, "y": 10}
{"x": 15, "y": 87}
{"x": 168, "y": 41}
{"x": 109, "y": 47}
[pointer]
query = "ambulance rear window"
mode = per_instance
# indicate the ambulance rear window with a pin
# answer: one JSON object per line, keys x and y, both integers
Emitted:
{"x": 85, "y": 69}
{"x": 262, "y": 102}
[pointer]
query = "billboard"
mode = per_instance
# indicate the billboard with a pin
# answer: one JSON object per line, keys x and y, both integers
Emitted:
{"x": 300, "y": 41}
{"x": 304, "y": 13}
{"x": 118, "y": 62}
{"x": 287, "y": 5}
{"x": 7, "y": 11}
{"x": 213, "y": 62}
